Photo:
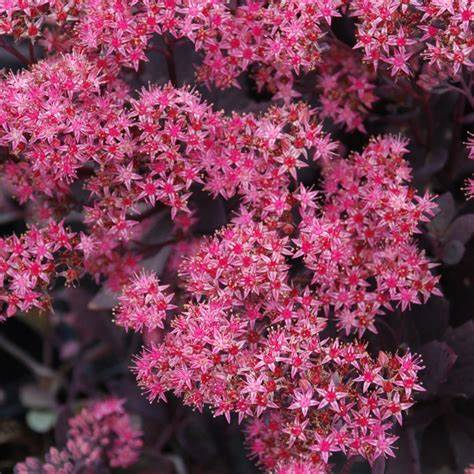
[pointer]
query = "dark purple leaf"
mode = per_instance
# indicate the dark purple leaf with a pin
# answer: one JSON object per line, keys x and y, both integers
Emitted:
{"x": 195, "y": 439}
{"x": 435, "y": 162}
{"x": 461, "y": 229}
{"x": 436, "y": 449}
{"x": 104, "y": 299}
{"x": 212, "y": 214}
{"x": 438, "y": 358}
{"x": 453, "y": 252}
{"x": 461, "y": 378}
{"x": 446, "y": 213}
{"x": 461, "y": 430}
{"x": 431, "y": 319}
{"x": 379, "y": 466}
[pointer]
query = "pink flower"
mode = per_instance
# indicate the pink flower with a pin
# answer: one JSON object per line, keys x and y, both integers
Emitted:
{"x": 396, "y": 34}
{"x": 143, "y": 303}
{"x": 100, "y": 435}
{"x": 31, "y": 262}
{"x": 303, "y": 400}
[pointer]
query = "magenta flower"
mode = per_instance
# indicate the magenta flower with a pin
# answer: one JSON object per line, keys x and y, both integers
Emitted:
{"x": 100, "y": 435}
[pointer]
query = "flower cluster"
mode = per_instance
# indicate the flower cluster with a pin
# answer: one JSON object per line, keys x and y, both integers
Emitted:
{"x": 117, "y": 34}
{"x": 176, "y": 128}
{"x": 29, "y": 18}
{"x": 279, "y": 82}
{"x": 248, "y": 341}
{"x": 343, "y": 401}
{"x": 230, "y": 39}
{"x": 101, "y": 435}
{"x": 29, "y": 264}
{"x": 132, "y": 155}
{"x": 360, "y": 248}
{"x": 284, "y": 34}
{"x": 286, "y": 37}
{"x": 143, "y": 304}
{"x": 404, "y": 34}
{"x": 346, "y": 88}
{"x": 63, "y": 122}
{"x": 53, "y": 120}
{"x": 256, "y": 157}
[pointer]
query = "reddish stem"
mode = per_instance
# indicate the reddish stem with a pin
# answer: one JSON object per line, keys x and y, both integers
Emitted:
{"x": 14, "y": 52}
{"x": 31, "y": 48}
{"x": 346, "y": 469}
{"x": 170, "y": 61}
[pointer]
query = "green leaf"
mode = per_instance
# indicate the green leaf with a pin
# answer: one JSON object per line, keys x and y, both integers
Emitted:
{"x": 41, "y": 421}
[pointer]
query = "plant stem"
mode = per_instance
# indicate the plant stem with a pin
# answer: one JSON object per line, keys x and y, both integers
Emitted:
{"x": 449, "y": 169}
{"x": 413, "y": 452}
{"x": 146, "y": 214}
{"x": 346, "y": 469}
{"x": 147, "y": 250}
{"x": 13, "y": 51}
{"x": 31, "y": 48}
{"x": 170, "y": 62}
{"x": 38, "y": 369}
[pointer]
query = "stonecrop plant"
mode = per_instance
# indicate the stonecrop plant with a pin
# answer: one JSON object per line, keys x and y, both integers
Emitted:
{"x": 100, "y": 435}
{"x": 258, "y": 249}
